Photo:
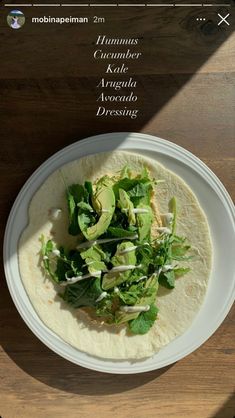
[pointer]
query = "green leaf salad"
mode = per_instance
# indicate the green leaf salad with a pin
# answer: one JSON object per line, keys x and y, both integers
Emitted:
{"x": 118, "y": 264}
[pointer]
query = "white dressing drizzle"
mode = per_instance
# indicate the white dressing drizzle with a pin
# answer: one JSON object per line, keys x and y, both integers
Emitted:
{"x": 140, "y": 210}
{"x": 104, "y": 241}
{"x": 164, "y": 230}
{"x": 141, "y": 278}
{"x": 127, "y": 250}
{"x": 124, "y": 268}
{"x": 139, "y": 308}
{"x": 167, "y": 218}
{"x": 105, "y": 211}
{"x": 45, "y": 257}
{"x": 56, "y": 252}
{"x": 55, "y": 214}
{"x": 167, "y": 267}
{"x": 102, "y": 296}
{"x": 88, "y": 264}
{"x": 71, "y": 280}
{"x": 116, "y": 290}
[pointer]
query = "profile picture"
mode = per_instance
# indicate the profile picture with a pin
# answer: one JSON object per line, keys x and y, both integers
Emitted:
{"x": 16, "y": 19}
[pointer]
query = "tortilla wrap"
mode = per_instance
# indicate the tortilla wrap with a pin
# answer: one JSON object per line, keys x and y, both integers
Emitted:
{"x": 177, "y": 308}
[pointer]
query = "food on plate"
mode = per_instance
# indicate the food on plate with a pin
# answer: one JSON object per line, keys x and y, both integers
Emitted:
{"x": 116, "y": 255}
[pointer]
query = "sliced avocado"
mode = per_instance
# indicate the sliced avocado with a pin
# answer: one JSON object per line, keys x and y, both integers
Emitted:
{"x": 95, "y": 252}
{"x": 102, "y": 199}
{"x": 126, "y": 206}
{"x": 96, "y": 266}
{"x": 93, "y": 258}
{"x": 144, "y": 222}
{"x": 113, "y": 279}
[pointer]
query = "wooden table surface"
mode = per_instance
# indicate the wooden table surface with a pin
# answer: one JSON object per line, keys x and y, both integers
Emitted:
{"x": 48, "y": 94}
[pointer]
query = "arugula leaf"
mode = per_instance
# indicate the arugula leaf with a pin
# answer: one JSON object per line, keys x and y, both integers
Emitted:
{"x": 136, "y": 292}
{"x": 181, "y": 271}
{"x": 141, "y": 193}
{"x": 137, "y": 274}
{"x": 46, "y": 250}
{"x": 131, "y": 295}
{"x": 176, "y": 239}
{"x": 144, "y": 321}
{"x": 171, "y": 248}
{"x": 179, "y": 251}
{"x": 144, "y": 253}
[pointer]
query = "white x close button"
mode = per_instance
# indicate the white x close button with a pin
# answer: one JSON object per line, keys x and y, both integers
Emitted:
{"x": 223, "y": 19}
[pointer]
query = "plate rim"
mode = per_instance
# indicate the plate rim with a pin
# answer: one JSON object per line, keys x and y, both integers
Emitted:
{"x": 218, "y": 188}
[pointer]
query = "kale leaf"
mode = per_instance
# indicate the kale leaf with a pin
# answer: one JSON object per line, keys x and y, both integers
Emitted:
{"x": 121, "y": 232}
{"x": 144, "y": 321}
{"x": 75, "y": 194}
{"x": 83, "y": 293}
{"x": 167, "y": 279}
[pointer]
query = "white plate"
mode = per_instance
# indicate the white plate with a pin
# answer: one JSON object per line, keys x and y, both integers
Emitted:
{"x": 221, "y": 216}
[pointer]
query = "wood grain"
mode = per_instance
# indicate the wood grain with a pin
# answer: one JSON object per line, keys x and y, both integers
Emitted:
{"x": 48, "y": 90}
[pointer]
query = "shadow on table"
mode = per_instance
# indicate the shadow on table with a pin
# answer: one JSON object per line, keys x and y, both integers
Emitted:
{"x": 228, "y": 408}
{"x": 38, "y": 361}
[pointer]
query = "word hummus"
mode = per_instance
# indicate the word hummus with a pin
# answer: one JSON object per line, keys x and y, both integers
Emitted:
{"x": 104, "y": 40}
